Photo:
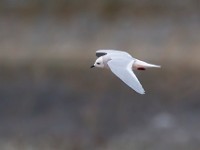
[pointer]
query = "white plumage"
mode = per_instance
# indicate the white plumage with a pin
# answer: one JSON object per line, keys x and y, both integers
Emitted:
{"x": 122, "y": 65}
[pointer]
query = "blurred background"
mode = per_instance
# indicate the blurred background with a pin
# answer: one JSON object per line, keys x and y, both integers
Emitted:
{"x": 50, "y": 98}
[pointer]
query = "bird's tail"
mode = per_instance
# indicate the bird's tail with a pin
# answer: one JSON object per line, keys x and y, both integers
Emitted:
{"x": 141, "y": 65}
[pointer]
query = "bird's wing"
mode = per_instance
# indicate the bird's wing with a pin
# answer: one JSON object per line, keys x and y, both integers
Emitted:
{"x": 122, "y": 68}
{"x": 113, "y": 52}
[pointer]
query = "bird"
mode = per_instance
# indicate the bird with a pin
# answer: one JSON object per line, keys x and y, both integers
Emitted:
{"x": 122, "y": 65}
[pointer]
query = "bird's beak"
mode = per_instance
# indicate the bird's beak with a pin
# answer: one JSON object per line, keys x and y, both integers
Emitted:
{"x": 92, "y": 66}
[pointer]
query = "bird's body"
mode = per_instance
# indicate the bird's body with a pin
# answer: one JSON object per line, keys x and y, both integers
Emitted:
{"x": 122, "y": 65}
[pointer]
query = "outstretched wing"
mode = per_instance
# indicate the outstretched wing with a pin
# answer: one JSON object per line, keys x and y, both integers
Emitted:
{"x": 99, "y": 54}
{"x": 122, "y": 68}
{"x": 113, "y": 52}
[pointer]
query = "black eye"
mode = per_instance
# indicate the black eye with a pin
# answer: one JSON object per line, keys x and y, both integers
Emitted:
{"x": 98, "y": 63}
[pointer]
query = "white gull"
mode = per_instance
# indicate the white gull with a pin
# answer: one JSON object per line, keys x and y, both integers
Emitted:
{"x": 122, "y": 65}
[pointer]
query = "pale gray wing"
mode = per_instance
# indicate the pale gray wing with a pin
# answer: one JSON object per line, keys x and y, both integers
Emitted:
{"x": 122, "y": 68}
{"x": 112, "y": 52}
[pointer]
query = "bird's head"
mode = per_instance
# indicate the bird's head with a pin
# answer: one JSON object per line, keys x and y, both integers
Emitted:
{"x": 98, "y": 63}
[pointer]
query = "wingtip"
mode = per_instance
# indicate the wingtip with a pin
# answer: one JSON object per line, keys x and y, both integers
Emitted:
{"x": 142, "y": 93}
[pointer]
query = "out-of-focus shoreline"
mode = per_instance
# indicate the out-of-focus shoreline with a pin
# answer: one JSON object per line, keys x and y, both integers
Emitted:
{"x": 47, "y": 39}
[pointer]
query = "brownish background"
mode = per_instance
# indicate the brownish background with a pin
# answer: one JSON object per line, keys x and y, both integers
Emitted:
{"x": 50, "y": 99}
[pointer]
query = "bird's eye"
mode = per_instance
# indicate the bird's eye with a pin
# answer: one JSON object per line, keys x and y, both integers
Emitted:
{"x": 98, "y": 63}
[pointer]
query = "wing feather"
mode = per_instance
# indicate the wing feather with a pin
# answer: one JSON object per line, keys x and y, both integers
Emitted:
{"x": 122, "y": 68}
{"x": 113, "y": 52}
